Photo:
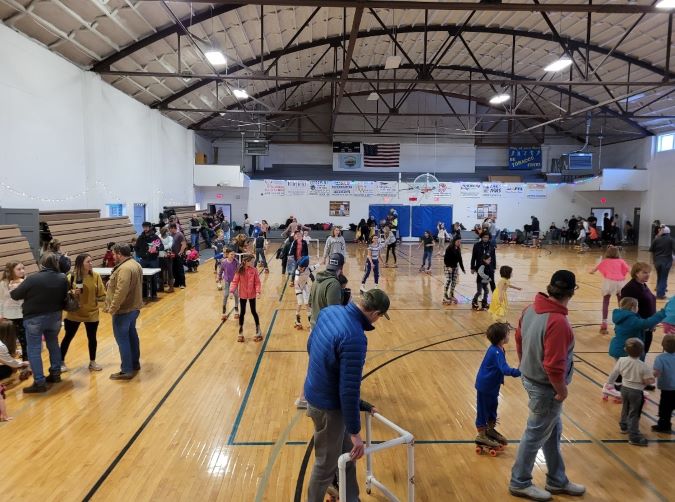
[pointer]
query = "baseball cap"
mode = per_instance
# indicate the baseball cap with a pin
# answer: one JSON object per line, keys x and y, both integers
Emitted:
{"x": 335, "y": 262}
{"x": 665, "y": 229}
{"x": 564, "y": 279}
{"x": 379, "y": 300}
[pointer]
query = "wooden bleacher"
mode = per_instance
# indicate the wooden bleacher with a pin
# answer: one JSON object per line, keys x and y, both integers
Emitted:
{"x": 15, "y": 247}
{"x": 184, "y": 213}
{"x": 83, "y": 231}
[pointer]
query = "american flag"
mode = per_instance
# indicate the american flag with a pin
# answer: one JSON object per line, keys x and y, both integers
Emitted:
{"x": 381, "y": 155}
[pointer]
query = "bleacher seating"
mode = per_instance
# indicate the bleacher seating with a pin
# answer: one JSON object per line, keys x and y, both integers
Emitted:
{"x": 15, "y": 247}
{"x": 82, "y": 231}
{"x": 184, "y": 213}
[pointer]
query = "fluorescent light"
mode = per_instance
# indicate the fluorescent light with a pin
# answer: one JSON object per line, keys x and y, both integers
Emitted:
{"x": 499, "y": 99}
{"x": 373, "y": 96}
{"x": 665, "y": 4}
{"x": 636, "y": 97}
{"x": 240, "y": 94}
{"x": 215, "y": 57}
{"x": 558, "y": 65}
{"x": 392, "y": 62}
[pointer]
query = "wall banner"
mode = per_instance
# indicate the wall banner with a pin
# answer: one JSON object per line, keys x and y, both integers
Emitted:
{"x": 297, "y": 187}
{"x": 524, "y": 157}
{"x": 444, "y": 190}
{"x": 493, "y": 189}
{"x": 470, "y": 189}
{"x": 514, "y": 188}
{"x": 319, "y": 187}
{"x": 386, "y": 188}
{"x": 347, "y": 161}
{"x": 341, "y": 188}
{"x": 363, "y": 188}
{"x": 536, "y": 190}
{"x": 275, "y": 187}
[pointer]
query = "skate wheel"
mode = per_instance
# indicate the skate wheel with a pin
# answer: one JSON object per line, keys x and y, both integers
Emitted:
{"x": 368, "y": 490}
{"x": 604, "y": 398}
{"x": 479, "y": 450}
{"x": 502, "y": 447}
{"x": 493, "y": 453}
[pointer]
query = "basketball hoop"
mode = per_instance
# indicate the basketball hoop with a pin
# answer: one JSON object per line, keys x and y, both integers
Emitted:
{"x": 426, "y": 184}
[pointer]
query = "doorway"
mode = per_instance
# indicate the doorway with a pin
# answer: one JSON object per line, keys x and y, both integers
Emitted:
{"x": 227, "y": 214}
{"x": 636, "y": 225}
{"x": 599, "y": 213}
{"x": 139, "y": 216}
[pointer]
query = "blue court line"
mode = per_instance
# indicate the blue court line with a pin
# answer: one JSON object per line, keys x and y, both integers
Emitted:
{"x": 283, "y": 290}
{"x": 251, "y": 380}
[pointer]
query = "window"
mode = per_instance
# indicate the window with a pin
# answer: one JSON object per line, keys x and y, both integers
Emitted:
{"x": 666, "y": 142}
{"x": 116, "y": 210}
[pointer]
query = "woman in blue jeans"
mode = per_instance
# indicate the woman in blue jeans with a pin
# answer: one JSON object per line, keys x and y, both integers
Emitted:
{"x": 43, "y": 296}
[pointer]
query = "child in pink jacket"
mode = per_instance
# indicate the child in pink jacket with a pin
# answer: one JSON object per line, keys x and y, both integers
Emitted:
{"x": 248, "y": 282}
{"x": 613, "y": 269}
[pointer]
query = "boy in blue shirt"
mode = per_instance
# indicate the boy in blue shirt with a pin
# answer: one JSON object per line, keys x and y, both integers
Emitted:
{"x": 488, "y": 382}
{"x": 664, "y": 370}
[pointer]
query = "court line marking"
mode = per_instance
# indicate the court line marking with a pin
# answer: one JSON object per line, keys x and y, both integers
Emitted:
{"x": 149, "y": 418}
{"x": 251, "y": 381}
{"x": 458, "y": 441}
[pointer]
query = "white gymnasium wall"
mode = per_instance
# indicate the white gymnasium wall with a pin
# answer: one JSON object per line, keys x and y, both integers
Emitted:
{"x": 70, "y": 141}
{"x": 658, "y": 203}
{"x": 236, "y": 197}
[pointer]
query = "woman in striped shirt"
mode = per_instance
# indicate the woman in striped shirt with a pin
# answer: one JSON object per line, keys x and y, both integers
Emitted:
{"x": 372, "y": 263}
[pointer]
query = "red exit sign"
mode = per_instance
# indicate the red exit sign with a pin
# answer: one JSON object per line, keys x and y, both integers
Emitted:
{"x": 219, "y": 196}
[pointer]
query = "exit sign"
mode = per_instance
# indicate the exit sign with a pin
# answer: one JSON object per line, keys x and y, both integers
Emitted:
{"x": 219, "y": 196}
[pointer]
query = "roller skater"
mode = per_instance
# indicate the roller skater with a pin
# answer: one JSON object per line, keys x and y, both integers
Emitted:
{"x": 494, "y": 434}
{"x": 298, "y": 322}
{"x": 484, "y": 277}
{"x": 453, "y": 262}
{"x": 303, "y": 274}
{"x": 485, "y": 444}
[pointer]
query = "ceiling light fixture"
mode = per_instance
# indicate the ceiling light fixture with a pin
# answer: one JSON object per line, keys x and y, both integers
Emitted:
{"x": 240, "y": 94}
{"x": 558, "y": 65}
{"x": 373, "y": 96}
{"x": 215, "y": 57}
{"x": 392, "y": 62}
{"x": 665, "y": 4}
{"x": 500, "y": 98}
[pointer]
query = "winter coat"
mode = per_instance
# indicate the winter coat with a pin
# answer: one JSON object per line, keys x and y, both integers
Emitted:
{"x": 248, "y": 283}
{"x": 629, "y": 324}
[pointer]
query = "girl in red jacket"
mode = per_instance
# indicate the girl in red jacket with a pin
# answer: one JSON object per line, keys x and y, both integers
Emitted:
{"x": 248, "y": 282}
{"x": 613, "y": 270}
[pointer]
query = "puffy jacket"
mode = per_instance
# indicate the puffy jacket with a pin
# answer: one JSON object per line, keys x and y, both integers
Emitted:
{"x": 629, "y": 324}
{"x": 337, "y": 352}
{"x": 545, "y": 342}
{"x": 326, "y": 290}
{"x": 248, "y": 283}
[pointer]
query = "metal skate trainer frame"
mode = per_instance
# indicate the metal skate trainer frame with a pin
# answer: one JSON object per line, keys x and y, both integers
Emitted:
{"x": 405, "y": 438}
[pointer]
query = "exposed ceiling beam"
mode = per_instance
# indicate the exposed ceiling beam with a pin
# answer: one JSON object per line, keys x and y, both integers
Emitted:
{"x": 353, "y": 37}
{"x": 611, "y": 8}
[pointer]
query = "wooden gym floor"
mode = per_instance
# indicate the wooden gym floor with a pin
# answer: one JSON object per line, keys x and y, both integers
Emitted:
{"x": 211, "y": 419}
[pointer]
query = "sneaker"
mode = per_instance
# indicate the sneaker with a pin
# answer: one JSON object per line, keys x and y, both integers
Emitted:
{"x": 377, "y": 286}
{"x": 53, "y": 378}
{"x": 531, "y": 492}
{"x": 638, "y": 442}
{"x": 570, "y": 488}
{"x": 35, "y": 389}
{"x": 94, "y": 367}
{"x": 181, "y": 287}
{"x": 64, "y": 368}
{"x": 624, "y": 430}
{"x": 121, "y": 376}
{"x": 362, "y": 288}
{"x": 301, "y": 403}
{"x": 603, "y": 328}
{"x": 656, "y": 428}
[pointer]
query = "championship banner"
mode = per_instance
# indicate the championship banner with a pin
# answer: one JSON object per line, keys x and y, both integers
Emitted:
{"x": 275, "y": 187}
{"x": 319, "y": 187}
{"x": 341, "y": 188}
{"x": 297, "y": 187}
{"x": 524, "y": 158}
{"x": 363, "y": 188}
{"x": 492, "y": 189}
{"x": 470, "y": 189}
{"x": 514, "y": 188}
{"x": 536, "y": 190}
{"x": 386, "y": 188}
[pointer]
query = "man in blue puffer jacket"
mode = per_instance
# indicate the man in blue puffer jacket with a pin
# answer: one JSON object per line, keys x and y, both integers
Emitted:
{"x": 337, "y": 351}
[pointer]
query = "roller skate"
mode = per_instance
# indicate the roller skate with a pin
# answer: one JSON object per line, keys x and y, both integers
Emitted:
{"x": 609, "y": 391}
{"x": 485, "y": 306}
{"x": 298, "y": 324}
{"x": 493, "y": 434}
{"x": 219, "y": 286}
{"x": 240, "y": 338}
{"x": 484, "y": 444}
{"x": 603, "y": 328}
{"x": 475, "y": 306}
{"x": 258, "y": 335}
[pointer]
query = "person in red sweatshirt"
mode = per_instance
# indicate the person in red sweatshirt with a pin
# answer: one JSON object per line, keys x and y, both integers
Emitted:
{"x": 545, "y": 345}
{"x": 248, "y": 282}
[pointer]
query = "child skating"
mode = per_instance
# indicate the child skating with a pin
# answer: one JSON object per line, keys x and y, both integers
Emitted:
{"x": 636, "y": 376}
{"x": 452, "y": 260}
{"x": 228, "y": 269}
{"x": 428, "y": 242}
{"x": 260, "y": 248}
{"x": 248, "y": 282}
{"x": 483, "y": 278}
{"x": 664, "y": 371}
{"x": 500, "y": 299}
{"x": 489, "y": 380}
{"x": 372, "y": 263}
{"x": 613, "y": 270}
{"x": 303, "y": 275}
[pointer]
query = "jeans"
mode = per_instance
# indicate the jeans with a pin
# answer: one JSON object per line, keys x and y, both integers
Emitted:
{"x": 481, "y": 288}
{"x": 330, "y": 441}
{"x": 126, "y": 336}
{"x": 376, "y": 271}
{"x": 47, "y": 325}
{"x": 260, "y": 257}
{"x": 662, "y": 271}
{"x": 151, "y": 262}
{"x": 194, "y": 240}
{"x": 543, "y": 430}
{"x": 426, "y": 257}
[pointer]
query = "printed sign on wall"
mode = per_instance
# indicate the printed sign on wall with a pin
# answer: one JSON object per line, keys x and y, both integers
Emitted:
{"x": 514, "y": 188}
{"x": 524, "y": 157}
{"x": 444, "y": 190}
{"x": 297, "y": 187}
{"x": 338, "y": 208}
{"x": 492, "y": 189}
{"x": 536, "y": 190}
{"x": 386, "y": 188}
{"x": 486, "y": 211}
{"x": 275, "y": 187}
{"x": 470, "y": 189}
{"x": 363, "y": 188}
{"x": 340, "y": 187}
{"x": 319, "y": 187}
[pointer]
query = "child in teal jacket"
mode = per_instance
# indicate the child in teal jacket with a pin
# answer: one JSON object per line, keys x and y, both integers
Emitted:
{"x": 628, "y": 324}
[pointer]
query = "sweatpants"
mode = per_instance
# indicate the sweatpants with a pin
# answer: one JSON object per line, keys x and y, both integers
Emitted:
{"x": 631, "y": 411}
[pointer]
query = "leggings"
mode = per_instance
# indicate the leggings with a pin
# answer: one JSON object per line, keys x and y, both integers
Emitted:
{"x": 242, "y": 311}
{"x": 391, "y": 247}
{"x": 21, "y": 336}
{"x": 451, "y": 276}
{"x": 71, "y": 329}
{"x": 605, "y": 305}
{"x": 375, "y": 269}
{"x": 227, "y": 294}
